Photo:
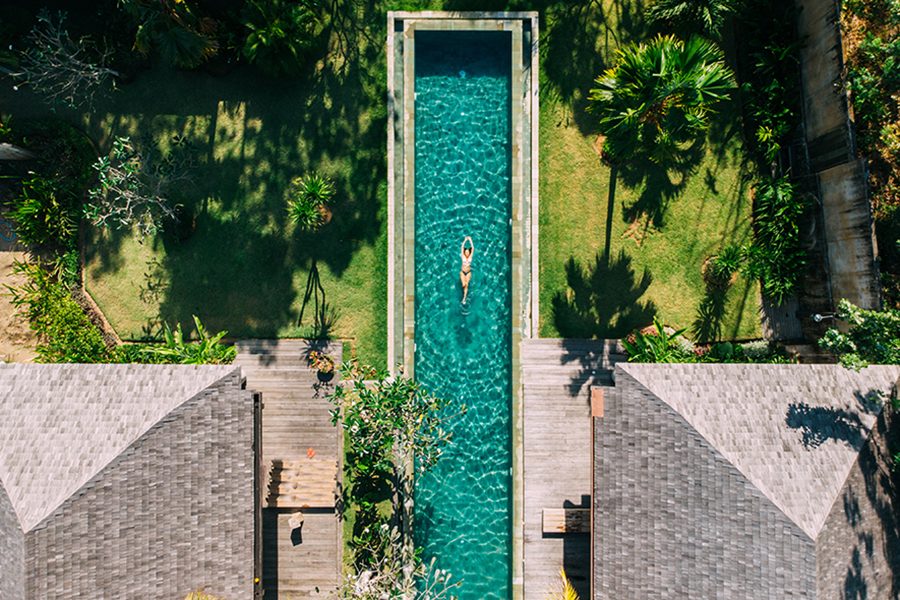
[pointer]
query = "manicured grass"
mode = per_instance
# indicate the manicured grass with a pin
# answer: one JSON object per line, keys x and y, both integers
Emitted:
{"x": 653, "y": 269}
{"x": 246, "y": 269}
{"x": 661, "y": 230}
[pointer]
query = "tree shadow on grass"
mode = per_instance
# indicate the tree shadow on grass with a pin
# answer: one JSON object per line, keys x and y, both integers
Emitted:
{"x": 233, "y": 276}
{"x": 659, "y": 184}
{"x": 254, "y": 134}
{"x": 602, "y": 300}
{"x": 707, "y": 326}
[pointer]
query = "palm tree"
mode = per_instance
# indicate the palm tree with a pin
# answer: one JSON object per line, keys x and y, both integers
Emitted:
{"x": 654, "y": 105}
{"x": 656, "y": 101}
{"x": 308, "y": 198}
{"x": 703, "y": 16}
{"x": 566, "y": 591}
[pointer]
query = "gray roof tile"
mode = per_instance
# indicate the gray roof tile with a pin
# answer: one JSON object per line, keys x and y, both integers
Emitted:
{"x": 62, "y": 424}
{"x": 794, "y": 431}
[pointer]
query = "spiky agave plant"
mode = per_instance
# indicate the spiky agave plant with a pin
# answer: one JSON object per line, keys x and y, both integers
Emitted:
{"x": 308, "y": 198}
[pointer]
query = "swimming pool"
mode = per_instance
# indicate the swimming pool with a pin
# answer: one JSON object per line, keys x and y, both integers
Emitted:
{"x": 463, "y": 177}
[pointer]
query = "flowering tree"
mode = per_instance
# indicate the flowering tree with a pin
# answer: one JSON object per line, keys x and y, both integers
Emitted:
{"x": 397, "y": 573}
{"x": 397, "y": 430}
{"x": 61, "y": 69}
{"x": 129, "y": 192}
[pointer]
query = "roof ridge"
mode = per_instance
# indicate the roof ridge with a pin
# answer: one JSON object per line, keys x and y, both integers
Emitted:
{"x": 66, "y": 423}
{"x": 122, "y": 454}
{"x": 715, "y": 449}
{"x": 793, "y": 431}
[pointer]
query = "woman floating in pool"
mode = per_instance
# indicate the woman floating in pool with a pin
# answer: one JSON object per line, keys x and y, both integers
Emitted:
{"x": 465, "y": 270}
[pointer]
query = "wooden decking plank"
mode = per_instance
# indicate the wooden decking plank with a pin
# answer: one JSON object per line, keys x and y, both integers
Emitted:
{"x": 296, "y": 418}
{"x": 557, "y": 426}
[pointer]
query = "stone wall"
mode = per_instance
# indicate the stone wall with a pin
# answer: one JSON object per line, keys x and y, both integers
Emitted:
{"x": 845, "y": 253}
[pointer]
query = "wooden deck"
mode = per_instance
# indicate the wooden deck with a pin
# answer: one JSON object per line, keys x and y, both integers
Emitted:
{"x": 558, "y": 375}
{"x": 296, "y": 427}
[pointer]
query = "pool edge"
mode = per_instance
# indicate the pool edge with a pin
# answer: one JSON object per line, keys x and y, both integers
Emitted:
{"x": 524, "y": 262}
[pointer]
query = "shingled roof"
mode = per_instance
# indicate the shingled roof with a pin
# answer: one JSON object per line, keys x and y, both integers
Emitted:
{"x": 92, "y": 455}
{"x": 713, "y": 479}
{"x": 793, "y": 430}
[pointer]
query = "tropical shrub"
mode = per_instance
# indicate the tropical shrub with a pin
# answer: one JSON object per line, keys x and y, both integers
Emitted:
{"x": 207, "y": 350}
{"x": 657, "y": 345}
{"x": 397, "y": 572}
{"x": 722, "y": 267}
{"x": 873, "y": 84}
{"x": 47, "y": 205}
{"x": 177, "y": 29}
{"x": 281, "y": 33}
{"x": 871, "y": 31}
{"x": 696, "y": 16}
{"x": 776, "y": 256}
{"x": 308, "y": 198}
{"x": 749, "y": 352}
{"x": 770, "y": 74}
{"x": 45, "y": 214}
{"x": 395, "y": 431}
{"x": 129, "y": 191}
{"x": 873, "y": 337}
{"x": 657, "y": 99}
{"x": 65, "y": 333}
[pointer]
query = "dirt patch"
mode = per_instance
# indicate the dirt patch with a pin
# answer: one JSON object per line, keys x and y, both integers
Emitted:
{"x": 17, "y": 341}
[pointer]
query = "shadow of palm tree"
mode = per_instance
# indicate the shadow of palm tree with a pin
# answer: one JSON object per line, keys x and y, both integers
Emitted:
{"x": 602, "y": 300}
{"x": 659, "y": 184}
{"x": 707, "y": 326}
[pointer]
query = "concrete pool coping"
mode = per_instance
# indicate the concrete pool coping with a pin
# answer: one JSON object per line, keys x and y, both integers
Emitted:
{"x": 401, "y": 208}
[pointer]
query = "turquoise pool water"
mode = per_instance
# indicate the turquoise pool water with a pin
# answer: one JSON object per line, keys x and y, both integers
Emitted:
{"x": 462, "y": 184}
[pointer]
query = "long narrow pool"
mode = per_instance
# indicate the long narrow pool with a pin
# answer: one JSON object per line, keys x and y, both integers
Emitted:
{"x": 463, "y": 187}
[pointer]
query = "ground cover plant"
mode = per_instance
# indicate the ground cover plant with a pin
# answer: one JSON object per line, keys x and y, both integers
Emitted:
{"x": 660, "y": 344}
{"x": 871, "y": 337}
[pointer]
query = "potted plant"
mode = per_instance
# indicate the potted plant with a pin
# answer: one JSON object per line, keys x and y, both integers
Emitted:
{"x": 323, "y": 364}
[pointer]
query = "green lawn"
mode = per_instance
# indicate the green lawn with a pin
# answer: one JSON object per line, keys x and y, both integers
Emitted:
{"x": 246, "y": 270}
{"x": 659, "y": 228}
{"x": 654, "y": 265}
